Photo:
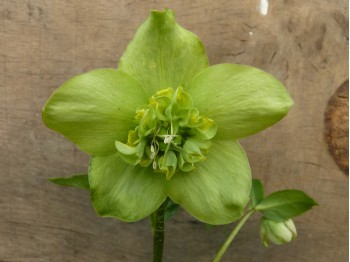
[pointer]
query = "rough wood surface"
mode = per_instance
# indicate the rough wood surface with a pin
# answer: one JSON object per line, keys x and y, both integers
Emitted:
{"x": 43, "y": 43}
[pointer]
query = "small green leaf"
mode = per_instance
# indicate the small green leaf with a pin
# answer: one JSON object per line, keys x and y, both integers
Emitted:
{"x": 171, "y": 209}
{"x": 285, "y": 204}
{"x": 79, "y": 181}
{"x": 257, "y": 192}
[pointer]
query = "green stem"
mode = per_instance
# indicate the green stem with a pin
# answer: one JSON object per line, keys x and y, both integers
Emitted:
{"x": 232, "y": 236}
{"x": 158, "y": 233}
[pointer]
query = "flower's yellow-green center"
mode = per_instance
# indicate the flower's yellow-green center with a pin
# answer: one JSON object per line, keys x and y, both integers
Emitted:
{"x": 170, "y": 135}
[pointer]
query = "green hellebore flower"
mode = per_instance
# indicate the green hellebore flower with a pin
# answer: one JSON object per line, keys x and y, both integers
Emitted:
{"x": 277, "y": 232}
{"x": 166, "y": 124}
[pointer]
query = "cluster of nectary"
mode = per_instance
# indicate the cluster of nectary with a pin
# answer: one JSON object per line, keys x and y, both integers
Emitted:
{"x": 170, "y": 134}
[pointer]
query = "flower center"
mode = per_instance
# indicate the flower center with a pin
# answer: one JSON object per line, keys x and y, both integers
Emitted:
{"x": 170, "y": 135}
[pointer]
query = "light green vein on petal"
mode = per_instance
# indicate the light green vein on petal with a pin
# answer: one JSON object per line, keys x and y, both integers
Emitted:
{"x": 217, "y": 191}
{"x": 242, "y": 100}
{"x": 94, "y": 109}
{"x": 123, "y": 191}
{"x": 163, "y": 54}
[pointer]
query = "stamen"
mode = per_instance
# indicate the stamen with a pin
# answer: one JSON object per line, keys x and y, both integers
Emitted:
{"x": 168, "y": 139}
{"x": 153, "y": 153}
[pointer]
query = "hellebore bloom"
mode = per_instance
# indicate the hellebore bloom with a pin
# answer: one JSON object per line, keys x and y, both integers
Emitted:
{"x": 166, "y": 124}
{"x": 277, "y": 232}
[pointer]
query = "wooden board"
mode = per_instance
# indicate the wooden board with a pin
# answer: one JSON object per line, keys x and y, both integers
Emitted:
{"x": 43, "y": 43}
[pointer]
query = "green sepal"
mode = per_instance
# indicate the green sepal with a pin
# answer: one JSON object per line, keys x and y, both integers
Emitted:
{"x": 80, "y": 181}
{"x": 283, "y": 205}
{"x": 94, "y": 109}
{"x": 257, "y": 192}
{"x": 242, "y": 100}
{"x": 163, "y": 54}
{"x": 124, "y": 191}
{"x": 217, "y": 191}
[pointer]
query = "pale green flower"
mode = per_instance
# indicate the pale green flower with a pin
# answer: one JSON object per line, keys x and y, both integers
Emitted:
{"x": 277, "y": 232}
{"x": 165, "y": 124}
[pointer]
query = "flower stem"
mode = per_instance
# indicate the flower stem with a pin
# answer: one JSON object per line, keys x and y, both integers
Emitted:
{"x": 158, "y": 233}
{"x": 232, "y": 236}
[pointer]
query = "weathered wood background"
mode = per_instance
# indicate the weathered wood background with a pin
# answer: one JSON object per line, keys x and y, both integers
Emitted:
{"x": 43, "y": 43}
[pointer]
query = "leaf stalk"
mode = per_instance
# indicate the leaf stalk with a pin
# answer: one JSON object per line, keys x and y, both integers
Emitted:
{"x": 232, "y": 235}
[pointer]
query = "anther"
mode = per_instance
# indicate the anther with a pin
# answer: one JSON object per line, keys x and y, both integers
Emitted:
{"x": 153, "y": 153}
{"x": 154, "y": 165}
{"x": 168, "y": 139}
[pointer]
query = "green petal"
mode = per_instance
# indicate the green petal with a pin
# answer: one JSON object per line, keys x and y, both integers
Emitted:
{"x": 217, "y": 191}
{"x": 163, "y": 54}
{"x": 95, "y": 109}
{"x": 242, "y": 100}
{"x": 126, "y": 192}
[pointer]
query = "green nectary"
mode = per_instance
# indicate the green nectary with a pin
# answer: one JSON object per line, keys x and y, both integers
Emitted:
{"x": 170, "y": 135}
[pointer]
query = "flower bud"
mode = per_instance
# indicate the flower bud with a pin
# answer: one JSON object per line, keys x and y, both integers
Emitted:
{"x": 277, "y": 232}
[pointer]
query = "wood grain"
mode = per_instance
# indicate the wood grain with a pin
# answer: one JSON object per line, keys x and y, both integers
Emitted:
{"x": 43, "y": 43}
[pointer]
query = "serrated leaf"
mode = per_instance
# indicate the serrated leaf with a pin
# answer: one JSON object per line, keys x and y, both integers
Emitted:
{"x": 285, "y": 204}
{"x": 257, "y": 192}
{"x": 79, "y": 181}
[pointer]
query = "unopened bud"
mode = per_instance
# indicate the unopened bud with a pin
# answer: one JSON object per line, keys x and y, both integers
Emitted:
{"x": 277, "y": 232}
